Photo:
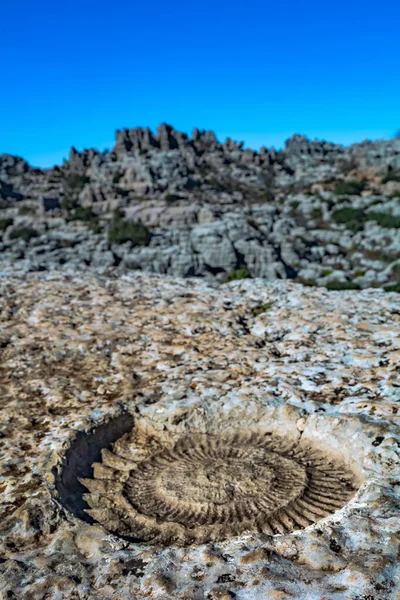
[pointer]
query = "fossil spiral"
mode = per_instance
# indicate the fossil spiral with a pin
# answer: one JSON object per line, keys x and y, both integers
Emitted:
{"x": 204, "y": 487}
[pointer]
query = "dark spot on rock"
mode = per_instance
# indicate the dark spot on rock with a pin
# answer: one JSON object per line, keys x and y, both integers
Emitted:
{"x": 334, "y": 546}
{"x": 378, "y": 440}
{"x": 260, "y": 343}
{"x": 221, "y": 594}
{"x": 226, "y": 578}
{"x": 319, "y": 532}
{"x": 136, "y": 566}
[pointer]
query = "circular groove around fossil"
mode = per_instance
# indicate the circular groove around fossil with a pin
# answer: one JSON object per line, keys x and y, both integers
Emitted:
{"x": 206, "y": 487}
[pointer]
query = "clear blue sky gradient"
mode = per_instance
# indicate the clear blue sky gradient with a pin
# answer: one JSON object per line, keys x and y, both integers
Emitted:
{"x": 73, "y": 72}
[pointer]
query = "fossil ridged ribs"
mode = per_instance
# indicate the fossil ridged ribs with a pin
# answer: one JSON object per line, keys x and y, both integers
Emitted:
{"x": 208, "y": 487}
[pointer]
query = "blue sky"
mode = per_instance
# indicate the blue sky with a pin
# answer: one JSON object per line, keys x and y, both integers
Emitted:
{"x": 71, "y": 73}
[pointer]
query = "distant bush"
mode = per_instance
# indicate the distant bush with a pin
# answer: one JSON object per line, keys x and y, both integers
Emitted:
{"x": 391, "y": 176}
{"x": 73, "y": 185}
{"x": 76, "y": 182}
{"x": 82, "y": 213}
{"x": 353, "y": 188}
{"x": 393, "y": 287}
{"x": 122, "y": 231}
{"x": 265, "y": 196}
{"x": 118, "y": 214}
{"x": 117, "y": 177}
{"x": 316, "y": 213}
{"x": 237, "y": 274}
{"x": 395, "y": 274}
{"x": 346, "y": 166}
{"x": 355, "y": 218}
{"x": 385, "y": 220}
{"x": 342, "y": 285}
{"x": 172, "y": 198}
{"x": 24, "y": 233}
{"x": 26, "y": 210}
{"x": 307, "y": 282}
{"x": 4, "y": 223}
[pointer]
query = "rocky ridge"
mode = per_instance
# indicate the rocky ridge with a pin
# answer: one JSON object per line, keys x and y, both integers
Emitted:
{"x": 315, "y": 212}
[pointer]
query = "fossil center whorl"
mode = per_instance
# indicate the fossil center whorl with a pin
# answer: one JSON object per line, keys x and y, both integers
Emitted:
{"x": 209, "y": 487}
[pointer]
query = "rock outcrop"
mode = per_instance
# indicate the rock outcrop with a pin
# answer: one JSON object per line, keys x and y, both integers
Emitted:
{"x": 315, "y": 212}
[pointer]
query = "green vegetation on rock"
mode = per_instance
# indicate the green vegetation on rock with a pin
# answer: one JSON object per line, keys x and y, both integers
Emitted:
{"x": 393, "y": 287}
{"x": 355, "y": 218}
{"x": 122, "y": 230}
{"x": 82, "y": 213}
{"x": 342, "y": 285}
{"x": 24, "y": 233}
{"x": 392, "y": 176}
{"x": 353, "y": 188}
{"x": 5, "y": 223}
{"x": 316, "y": 213}
{"x": 237, "y": 274}
{"x": 26, "y": 210}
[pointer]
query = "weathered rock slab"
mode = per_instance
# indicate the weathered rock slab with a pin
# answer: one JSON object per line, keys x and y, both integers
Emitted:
{"x": 85, "y": 358}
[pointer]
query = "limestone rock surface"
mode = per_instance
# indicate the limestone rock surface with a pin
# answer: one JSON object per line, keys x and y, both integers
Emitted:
{"x": 98, "y": 373}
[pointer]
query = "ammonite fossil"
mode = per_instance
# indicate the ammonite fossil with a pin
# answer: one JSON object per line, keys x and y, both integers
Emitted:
{"x": 204, "y": 487}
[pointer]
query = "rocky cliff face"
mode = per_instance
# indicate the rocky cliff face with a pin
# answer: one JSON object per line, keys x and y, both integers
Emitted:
{"x": 164, "y": 202}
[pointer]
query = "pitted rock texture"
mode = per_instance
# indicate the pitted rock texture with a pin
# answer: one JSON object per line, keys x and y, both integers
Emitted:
{"x": 209, "y": 487}
{"x": 78, "y": 353}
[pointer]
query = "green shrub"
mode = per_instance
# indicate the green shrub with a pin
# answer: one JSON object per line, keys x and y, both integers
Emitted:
{"x": 265, "y": 196}
{"x": 26, "y": 210}
{"x": 4, "y": 223}
{"x": 316, "y": 213}
{"x": 360, "y": 273}
{"x": 306, "y": 282}
{"x": 392, "y": 176}
{"x": 73, "y": 185}
{"x": 76, "y": 182}
{"x": 172, "y": 198}
{"x": 69, "y": 203}
{"x": 82, "y": 213}
{"x": 342, "y": 285}
{"x": 237, "y": 274}
{"x": 395, "y": 274}
{"x": 122, "y": 231}
{"x": 326, "y": 272}
{"x": 121, "y": 191}
{"x": 24, "y": 233}
{"x": 384, "y": 220}
{"x": 117, "y": 177}
{"x": 353, "y": 218}
{"x": 118, "y": 214}
{"x": 394, "y": 287}
{"x": 353, "y": 188}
